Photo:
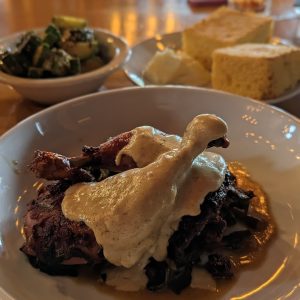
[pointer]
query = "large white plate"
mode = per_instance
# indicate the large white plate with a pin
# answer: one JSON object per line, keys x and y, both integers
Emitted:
{"x": 144, "y": 51}
{"x": 264, "y": 139}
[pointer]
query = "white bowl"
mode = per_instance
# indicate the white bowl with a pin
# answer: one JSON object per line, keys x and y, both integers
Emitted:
{"x": 264, "y": 139}
{"x": 54, "y": 90}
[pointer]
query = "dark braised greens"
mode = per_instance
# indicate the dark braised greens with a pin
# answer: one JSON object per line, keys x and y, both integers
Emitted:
{"x": 67, "y": 47}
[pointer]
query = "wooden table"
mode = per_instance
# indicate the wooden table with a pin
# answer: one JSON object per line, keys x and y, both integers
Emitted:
{"x": 135, "y": 20}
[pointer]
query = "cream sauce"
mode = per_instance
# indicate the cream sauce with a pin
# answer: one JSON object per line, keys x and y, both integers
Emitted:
{"x": 203, "y": 286}
{"x": 134, "y": 213}
{"x": 127, "y": 279}
{"x": 146, "y": 144}
{"x": 259, "y": 206}
{"x": 201, "y": 279}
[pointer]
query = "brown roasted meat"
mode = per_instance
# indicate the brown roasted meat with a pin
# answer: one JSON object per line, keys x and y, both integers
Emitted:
{"x": 53, "y": 243}
{"x": 57, "y": 245}
{"x": 53, "y": 166}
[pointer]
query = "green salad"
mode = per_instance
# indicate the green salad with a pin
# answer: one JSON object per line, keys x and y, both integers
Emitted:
{"x": 67, "y": 47}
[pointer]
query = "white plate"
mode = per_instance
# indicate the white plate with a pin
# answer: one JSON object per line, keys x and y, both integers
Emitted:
{"x": 144, "y": 51}
{"x": 264, "y": 139}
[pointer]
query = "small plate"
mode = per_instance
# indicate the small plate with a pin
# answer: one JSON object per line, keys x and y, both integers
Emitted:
{"x": 264, "y": 139}
{"x": 145, "y": 50}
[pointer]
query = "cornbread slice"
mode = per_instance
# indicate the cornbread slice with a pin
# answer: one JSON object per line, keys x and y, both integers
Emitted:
{"x": 259, "y": 71}
{"x": 223, "y": 28}
{"x": 176, "y": 67}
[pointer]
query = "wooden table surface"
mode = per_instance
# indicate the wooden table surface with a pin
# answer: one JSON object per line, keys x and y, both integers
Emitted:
{"x": 135, "y": 20}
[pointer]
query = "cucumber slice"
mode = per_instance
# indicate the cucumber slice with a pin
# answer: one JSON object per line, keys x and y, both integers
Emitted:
{"x": 40, "y": 55}
{"x": 69, "y": 22}
{"x": 82, "y": 50}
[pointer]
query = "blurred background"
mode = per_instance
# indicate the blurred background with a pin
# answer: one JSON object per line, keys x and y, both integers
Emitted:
{"x": 136, "y": 19}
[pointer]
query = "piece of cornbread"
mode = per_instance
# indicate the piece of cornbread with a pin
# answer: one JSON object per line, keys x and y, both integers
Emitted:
{"x": 259, "y": 71}
{"x": 224, "y": 27}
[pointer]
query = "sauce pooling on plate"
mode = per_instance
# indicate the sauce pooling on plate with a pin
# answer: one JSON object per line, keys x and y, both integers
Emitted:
{"x": 259, "y": 207}
{"x": 134, "y": 213}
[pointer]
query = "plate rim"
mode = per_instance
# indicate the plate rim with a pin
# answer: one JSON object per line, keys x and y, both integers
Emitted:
{"x": 4, "y": 295}
{"x": 87, "y": 97}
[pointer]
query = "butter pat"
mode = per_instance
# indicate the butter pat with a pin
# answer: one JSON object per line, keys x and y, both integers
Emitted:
{"x": 170, "y": 67}
{"x": 225, "y": 27}
{"x": 259, "y": 71}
